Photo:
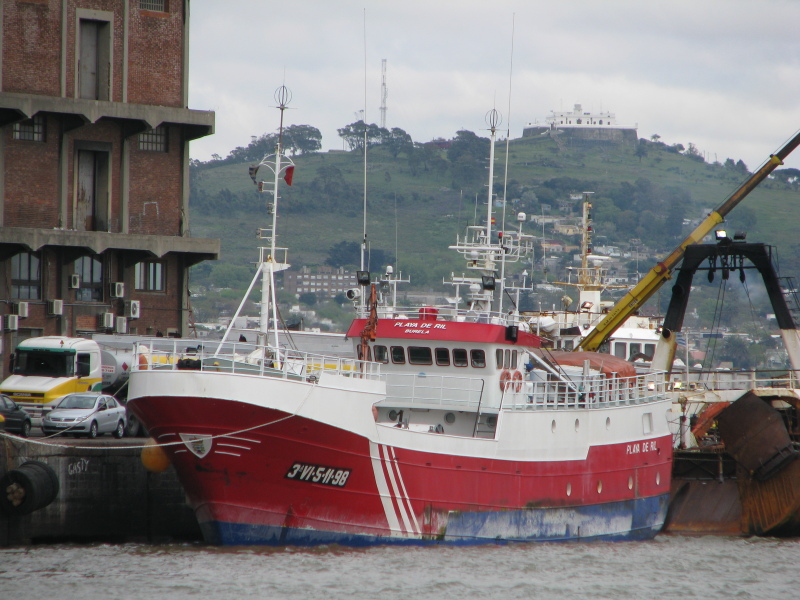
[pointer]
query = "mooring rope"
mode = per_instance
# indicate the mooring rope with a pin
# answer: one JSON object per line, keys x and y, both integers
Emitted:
{"x": 42, "y": 442}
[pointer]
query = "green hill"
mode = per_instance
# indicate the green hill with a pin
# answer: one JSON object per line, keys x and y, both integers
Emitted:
{"x": 421, "y": 198}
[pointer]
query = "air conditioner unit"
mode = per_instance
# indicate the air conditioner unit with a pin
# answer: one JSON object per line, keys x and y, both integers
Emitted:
{"x": 117, "y": 290}
{"x": 106, "y": 320}
{"x": 133, "y": 309}
{"x": 22, "y": 309}
{"x": 12, "y": 322}
{"x": 122, "y": 325}
{"x": 55, "y": 307}
{"x": 74, "y": 281}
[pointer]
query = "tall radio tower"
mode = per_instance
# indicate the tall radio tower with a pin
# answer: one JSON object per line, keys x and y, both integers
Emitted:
{"x": 384, "y": 93}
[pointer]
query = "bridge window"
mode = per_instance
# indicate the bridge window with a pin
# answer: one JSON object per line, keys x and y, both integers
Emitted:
{"x": 381, "y": 355}
{"x": 398, "y": 355}
{"x": 620, "y": 350}
{"x": 460, "y": 358}
{"x": 443, "y": 357}
{"x": 498, "y": 357}
{"x": 478, "y": 359}
{"x": 419, "y": 355}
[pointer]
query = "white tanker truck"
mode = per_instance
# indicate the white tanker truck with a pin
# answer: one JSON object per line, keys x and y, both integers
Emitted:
{"x": 44, "y": 369}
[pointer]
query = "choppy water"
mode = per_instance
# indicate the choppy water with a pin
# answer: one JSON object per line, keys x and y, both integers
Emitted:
{"x": 666, "y": 568}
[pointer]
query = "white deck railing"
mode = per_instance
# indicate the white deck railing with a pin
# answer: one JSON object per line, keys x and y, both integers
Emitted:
{"x": 250, "y": 359}
{"x": 464, "y": 393}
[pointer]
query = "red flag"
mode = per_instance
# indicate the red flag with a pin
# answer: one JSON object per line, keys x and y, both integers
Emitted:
{"x": 288, "y": 176}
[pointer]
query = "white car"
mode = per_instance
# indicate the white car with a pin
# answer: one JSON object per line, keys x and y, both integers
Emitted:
{"x": 86, "y": 413}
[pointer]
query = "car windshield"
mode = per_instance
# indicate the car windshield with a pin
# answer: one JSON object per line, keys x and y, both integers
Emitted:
{"x": 78, "y": 402}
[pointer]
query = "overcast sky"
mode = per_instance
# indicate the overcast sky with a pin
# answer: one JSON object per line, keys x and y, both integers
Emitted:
{"x": 722, "y": 74}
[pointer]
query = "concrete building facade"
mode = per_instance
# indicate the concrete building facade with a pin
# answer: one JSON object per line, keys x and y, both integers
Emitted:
{"x": 94, "y": 168}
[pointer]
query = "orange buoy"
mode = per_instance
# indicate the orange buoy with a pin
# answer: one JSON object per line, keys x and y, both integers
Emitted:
{"x": 154, "y": 458}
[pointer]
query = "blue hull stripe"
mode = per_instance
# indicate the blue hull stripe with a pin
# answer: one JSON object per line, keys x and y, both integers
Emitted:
{"x": 616, "y": 521}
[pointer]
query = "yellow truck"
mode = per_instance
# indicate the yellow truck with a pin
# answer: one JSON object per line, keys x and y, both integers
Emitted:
{"x": 43, "y": 369}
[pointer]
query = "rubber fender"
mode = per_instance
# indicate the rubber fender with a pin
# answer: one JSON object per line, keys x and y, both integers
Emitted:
{"x": 31, "y": 486}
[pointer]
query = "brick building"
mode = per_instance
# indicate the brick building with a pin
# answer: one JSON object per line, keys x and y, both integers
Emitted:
{"x": 94, "y": 168}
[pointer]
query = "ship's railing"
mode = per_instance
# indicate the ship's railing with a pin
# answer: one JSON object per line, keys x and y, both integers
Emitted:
{"x": 465, "y": 393}
{"x": 444, "y": 314}
{"x": 591, "y": 391}
{"x": 432, "y": 391}
{"x": 249, "y": 359}
{"x": 732, "y": 380}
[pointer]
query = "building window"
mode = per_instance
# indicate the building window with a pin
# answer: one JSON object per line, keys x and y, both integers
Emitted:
{"x": 94, "y": 60}
{"x": 154, "y": 5}
{"x": 30, "y": 130}
{"x": 90, "y": 271}
{"x": 154, "y": 140}
{"x": 149, "y": 276}
{"x": 26, "y": 283}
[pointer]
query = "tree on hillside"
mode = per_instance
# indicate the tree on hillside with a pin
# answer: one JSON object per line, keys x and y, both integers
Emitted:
{"x": 788, "y": 176}
{"x": 302, "y": 138}
{"x": 398, "y": 141}
{"x": 353, "y": 135}
{"x": 255, "y": 150}
{"x": 468, "y": 154}
{"x": 641, "y": 150}
{"x": 693, "y": 153}
{"x": 330, "y": 186}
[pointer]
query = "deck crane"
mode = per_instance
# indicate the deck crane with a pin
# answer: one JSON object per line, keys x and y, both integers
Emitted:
{"x": 660, "y": 273}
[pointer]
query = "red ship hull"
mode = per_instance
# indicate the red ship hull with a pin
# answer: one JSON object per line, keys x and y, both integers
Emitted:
{"x": 296, "y": 480}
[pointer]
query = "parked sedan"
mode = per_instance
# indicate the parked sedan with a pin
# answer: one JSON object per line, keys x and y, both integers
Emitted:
{"x": 17, "y": 420}
{"x": 86, "y": 413}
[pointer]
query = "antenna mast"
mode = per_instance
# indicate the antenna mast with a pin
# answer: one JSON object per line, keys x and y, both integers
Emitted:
{"x": 384, "y": 93}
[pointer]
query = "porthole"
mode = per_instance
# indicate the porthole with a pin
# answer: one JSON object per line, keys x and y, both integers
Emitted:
{"x": 630, "y": 483}
{"x": 569, "y": 489}
{"x": 577, "y": 424}
{"x": 608, "y": 422}
{"x": 553, "y": 426}
{"x": 599, "y": 486}
{"x": 392, "y": 415}
{"x": 449, "y": 418}
{"x": 658, "y": 478}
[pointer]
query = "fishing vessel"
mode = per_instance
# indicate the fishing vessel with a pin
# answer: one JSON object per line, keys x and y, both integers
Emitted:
{"x": 449, "y": 425}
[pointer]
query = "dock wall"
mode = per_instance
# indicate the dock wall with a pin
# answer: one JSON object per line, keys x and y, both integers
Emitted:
{"x": 106, "y": 495}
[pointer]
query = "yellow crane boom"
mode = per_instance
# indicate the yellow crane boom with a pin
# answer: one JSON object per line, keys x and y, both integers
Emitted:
{"x": 660, "y": 273}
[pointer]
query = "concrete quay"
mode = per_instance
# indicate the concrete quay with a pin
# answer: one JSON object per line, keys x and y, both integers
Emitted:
{"x": 105, "y": 495}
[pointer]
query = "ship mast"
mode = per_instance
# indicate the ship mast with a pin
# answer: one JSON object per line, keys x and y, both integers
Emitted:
{"x": 273, "y": 259}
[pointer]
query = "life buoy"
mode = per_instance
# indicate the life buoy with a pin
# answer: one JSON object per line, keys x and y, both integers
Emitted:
{"x": 505, "y": 378}
{"x": 517, "y": 377}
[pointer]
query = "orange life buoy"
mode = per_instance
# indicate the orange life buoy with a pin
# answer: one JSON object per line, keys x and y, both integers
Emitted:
{"x": 505, "y": 378}
{"x": 517, "y": 377}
